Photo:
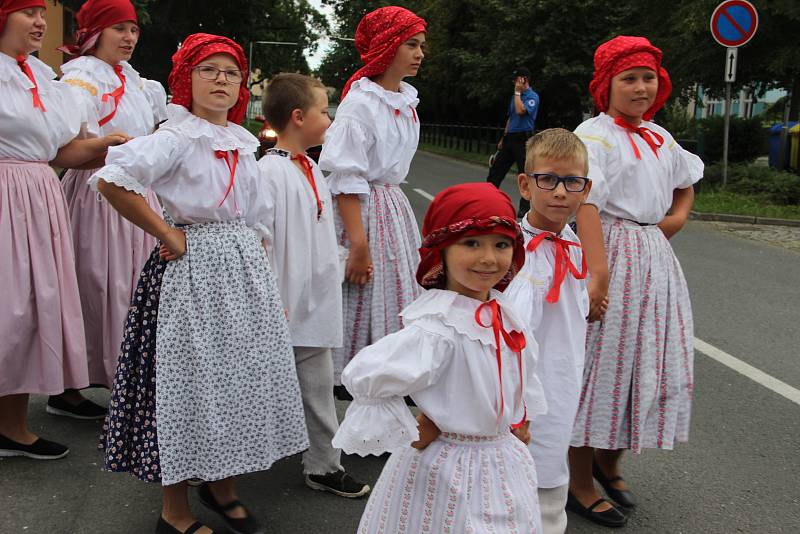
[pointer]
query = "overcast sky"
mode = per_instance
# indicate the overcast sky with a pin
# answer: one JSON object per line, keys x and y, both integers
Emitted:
{"x": 315, "y": 59}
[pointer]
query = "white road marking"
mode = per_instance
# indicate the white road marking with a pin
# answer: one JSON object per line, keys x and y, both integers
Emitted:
{"x": 756, "y": 375}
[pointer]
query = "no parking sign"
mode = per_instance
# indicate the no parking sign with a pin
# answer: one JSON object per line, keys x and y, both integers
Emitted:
{"x": 734, "y": 23}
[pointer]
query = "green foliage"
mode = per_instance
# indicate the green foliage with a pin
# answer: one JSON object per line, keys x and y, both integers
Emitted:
{"x": 766, "y": 183}
{"x": 677, "y": 121}
{"x": 718, "y": 201}
{"x": 747, "y": 138}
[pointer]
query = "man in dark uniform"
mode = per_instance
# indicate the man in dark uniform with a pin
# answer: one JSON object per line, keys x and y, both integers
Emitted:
{"x": 519, "y": 128}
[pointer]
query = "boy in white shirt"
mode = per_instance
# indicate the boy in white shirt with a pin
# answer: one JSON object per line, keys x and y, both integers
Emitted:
{"x": 304, "y": 255}
{"x": 550, "y": 294}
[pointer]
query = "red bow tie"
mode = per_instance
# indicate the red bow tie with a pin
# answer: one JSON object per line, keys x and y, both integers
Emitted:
{"x": 514, "y": 341}
{"x": 116, "y": 94}
{"x": 309, "y": 172}
{"x": 232, "y": 163}
{"x": 563, "y": 262}
{"x": 653, "y": 140}
{"x": 22, "y": 61}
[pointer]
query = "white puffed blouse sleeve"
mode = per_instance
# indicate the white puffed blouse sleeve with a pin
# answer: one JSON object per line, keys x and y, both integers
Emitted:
{"x": 379, "y": 376}
{"x": 599, "y": 147}
{"x": 346, "y": 155}
{"x": 140, "y": 164}
{"x": 687, "y": 168}
{"x": 157, "y": 97}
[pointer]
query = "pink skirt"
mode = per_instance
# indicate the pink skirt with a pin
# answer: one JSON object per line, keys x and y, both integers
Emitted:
{"x": 110, "y": 252}
{"x": 43, "y": 349}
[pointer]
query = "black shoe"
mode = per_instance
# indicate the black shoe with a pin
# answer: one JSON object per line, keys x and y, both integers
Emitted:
{"x": 243, "y": 525}
{"x": 41, "y": 449}
{"x": 624, "y": 498}
{"x": 56, "y": 405}
{"x": 609, "y": 518}
{"x": 341, "y": 393}
{"x": 162, "y": 527}
{"x": 339, "y": 483}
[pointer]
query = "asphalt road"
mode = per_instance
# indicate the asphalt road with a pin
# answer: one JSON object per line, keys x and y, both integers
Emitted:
{"x": 740, "y": 472}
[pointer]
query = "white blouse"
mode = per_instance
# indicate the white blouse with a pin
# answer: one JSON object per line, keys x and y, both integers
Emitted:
{"x": 303, "y": 251}
{"x": 560, "y": 331}
{"x": 373, "y": 138}
{"x": 630, "y": 188}
{"x": 447, "y": 363}
{"x": 28, "y": 133}
{"x": 179, "y": 163}
{"x": 142, "y": 106}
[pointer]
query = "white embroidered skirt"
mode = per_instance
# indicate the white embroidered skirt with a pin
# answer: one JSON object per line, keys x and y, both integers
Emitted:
{"x": 638, "y": 377}
{"x": 110, "y": 252}
{"x": 227, "y": 397}
{"x": 372, "y": 310}
{"x": 457, "y": 485}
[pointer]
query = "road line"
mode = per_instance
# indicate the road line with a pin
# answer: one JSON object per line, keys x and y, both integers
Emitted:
{"x": 756, "y": 375}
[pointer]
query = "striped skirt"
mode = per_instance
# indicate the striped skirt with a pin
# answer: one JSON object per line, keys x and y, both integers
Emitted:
{"x": 638, "y": 376}
{"x": 457, "y": 485}
{"x": 372, "y": 311}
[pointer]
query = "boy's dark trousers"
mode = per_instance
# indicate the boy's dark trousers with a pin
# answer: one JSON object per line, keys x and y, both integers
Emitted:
{"x": 513, "y": 151}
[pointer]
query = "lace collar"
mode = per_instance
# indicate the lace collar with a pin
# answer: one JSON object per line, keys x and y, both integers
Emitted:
{"x": 230, "y": 137}
{"x": 403, "y": 100}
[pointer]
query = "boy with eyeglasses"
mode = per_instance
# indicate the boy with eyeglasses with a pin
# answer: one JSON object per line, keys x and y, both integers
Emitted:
{"x": 550, "y": 294}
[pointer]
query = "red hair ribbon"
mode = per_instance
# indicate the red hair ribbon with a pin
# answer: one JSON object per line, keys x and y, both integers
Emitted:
{"x": 221, "y": 154}
{"x": 309, "y": 172}
{"x": 653, "y": 140}
{"x": 116, "y": 94}
{"x": 22, "y": 61}
{"x": 563, "y": 262}
{"x": 514, "y": 341}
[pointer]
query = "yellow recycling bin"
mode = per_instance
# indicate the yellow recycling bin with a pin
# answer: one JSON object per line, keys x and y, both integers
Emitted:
{"x": 794, "y": 155}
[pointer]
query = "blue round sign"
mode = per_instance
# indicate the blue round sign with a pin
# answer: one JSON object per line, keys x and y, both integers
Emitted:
{"x": 734, "y": 22}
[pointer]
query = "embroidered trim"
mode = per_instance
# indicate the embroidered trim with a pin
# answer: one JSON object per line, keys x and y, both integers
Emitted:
{"x": 278, "y": 152}
{"x": 81, "y": 84}
{"x": 114, "y": 174}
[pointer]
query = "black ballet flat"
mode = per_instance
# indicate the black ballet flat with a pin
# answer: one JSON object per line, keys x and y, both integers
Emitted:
{"x": 243, "y": 525}
{"x": 624, "y": 498}
{"x": 162, "y": 527}
{"x": 612, "y": 517}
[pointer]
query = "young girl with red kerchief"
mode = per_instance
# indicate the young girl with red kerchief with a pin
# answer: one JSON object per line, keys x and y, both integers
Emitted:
{"x": 368, "y": 151}
{"x": 465, "y": 361}
{"x": 638, "y": 377}
{"x": 223, "y": 399}
{"x": 109, "y": 250}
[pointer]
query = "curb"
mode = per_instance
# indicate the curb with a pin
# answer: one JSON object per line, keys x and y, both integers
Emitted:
{"x": 744, "y": 219}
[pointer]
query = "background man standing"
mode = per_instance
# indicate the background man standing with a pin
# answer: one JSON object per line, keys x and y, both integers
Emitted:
{"x": 519, "y": 127}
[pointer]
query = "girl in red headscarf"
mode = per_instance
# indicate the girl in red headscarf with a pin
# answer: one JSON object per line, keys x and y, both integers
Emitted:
{"x": 223, "y": 398}
{"x": 368, "y": 151}
{"x": 465, "y": 361}
{"x": 109, "y": 250}
{"x": 43, "y": 348}
{"x": 638, "y": 376}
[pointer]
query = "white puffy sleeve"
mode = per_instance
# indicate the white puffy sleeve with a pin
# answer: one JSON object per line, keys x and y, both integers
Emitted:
{"x": 140, "y": 164}
{"x": 535, "y": 401}
{"x": 687, "y": 168}
{"x": 379, "y": 377}
{"x": 346, "y": 155}
{"x": 79, "y": 111}
{"x": 599, "y": 149}
{"x": 268, "y": 191}
{"x": 157, "y": 97}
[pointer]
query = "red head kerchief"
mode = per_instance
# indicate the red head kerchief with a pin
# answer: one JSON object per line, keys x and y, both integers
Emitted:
{"x": 195, "y": 49}
{"x": 95, "y": 16}
{"x": 465, "y": 210}
{"x": 378, "y": 36}
{"x": 622, "y": 53}
{"x": 10, "y": 6}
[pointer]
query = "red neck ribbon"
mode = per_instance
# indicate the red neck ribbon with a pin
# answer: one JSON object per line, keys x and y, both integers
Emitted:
{"x": 653, "y": 140}
{"x": 116, "y": 94}
{"x": 232, "y": 163}
{"x": 413, "y": 113}
{"x": 309, "y": 172}
{"x": 515, "y": 341}
{"x": 563, "y": 262}
{"x": 22, "y": 61}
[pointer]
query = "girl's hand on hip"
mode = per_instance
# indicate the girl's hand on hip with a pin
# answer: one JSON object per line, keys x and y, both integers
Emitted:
{"x": 523, "y": 433}
{"x": 358, "y": 269}
{"x": 173, "y": 245}
{"x": 672, "y": 224}
{"x": 428, "y": 432}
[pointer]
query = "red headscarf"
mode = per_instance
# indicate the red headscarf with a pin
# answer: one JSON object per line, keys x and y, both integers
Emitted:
{"x": 465, "y": 210}
{"x": 378, "y": 36}
{"x": 10, "y": 6}
{"x": 195, "y": 49}
{"x": 623, "y": 53}
{"x": 95, "y": 16}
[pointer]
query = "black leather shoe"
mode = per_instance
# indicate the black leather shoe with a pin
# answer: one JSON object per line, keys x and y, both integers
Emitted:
{"x": 243, "y": 525}
{"x": 608, "y": 518}
{"x": 624, "y": 498}
{"x": 41, "y": 449}
{"x": 162, "y": 527}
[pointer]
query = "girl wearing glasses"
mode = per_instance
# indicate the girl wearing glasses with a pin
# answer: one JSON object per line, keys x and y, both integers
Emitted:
{"x": 638, "y": 378}
{"x": 368, "y": 151}
{"x": 206, "y": 306}
{"x": 109, "y": 250}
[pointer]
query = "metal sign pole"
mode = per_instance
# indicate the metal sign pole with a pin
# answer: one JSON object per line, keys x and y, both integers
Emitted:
{"x": 725, "y": 134}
